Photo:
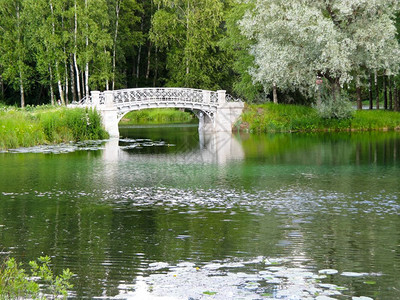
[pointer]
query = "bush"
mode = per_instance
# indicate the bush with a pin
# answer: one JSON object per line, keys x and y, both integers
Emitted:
{"x": 16, "y": 284}
{"x": 341, "y": 108}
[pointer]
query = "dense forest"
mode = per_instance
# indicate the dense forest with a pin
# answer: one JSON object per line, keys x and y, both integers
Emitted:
{"x": 258, "y": 50}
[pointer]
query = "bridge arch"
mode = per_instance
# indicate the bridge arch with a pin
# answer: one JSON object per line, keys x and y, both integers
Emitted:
{"x": 216, "y": 110}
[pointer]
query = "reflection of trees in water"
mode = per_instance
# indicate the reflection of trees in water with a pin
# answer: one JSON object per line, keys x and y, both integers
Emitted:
{"x": 335, "y": 194}
{"x": 324, "y": 148}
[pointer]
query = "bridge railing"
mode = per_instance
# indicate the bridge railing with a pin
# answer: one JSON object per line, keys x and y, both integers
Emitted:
{"x": 165, "y": 94}
{"x": 145, "y": 95}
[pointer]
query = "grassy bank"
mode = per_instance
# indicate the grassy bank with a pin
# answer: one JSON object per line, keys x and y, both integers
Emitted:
{"x": 157, "y": 116}
{"x": 47, "y": 125}
{"x": 292, "y": 118}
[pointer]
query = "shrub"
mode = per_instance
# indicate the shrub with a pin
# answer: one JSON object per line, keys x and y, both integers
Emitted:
{"x": 16, "y": 284}
{"x": 340, "y": 108}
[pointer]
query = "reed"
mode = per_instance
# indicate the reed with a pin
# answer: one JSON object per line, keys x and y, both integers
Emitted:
{"x": 47, "y": 125}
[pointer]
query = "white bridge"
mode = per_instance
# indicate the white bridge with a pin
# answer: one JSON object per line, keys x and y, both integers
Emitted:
{"x": 216, "y": 111}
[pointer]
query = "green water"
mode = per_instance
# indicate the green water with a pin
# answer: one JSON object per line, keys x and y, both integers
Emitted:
{"x": 165, "y": 194}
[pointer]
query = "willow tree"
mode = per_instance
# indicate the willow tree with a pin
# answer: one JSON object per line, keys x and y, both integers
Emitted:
{"x": 189, "y": 30}
{"x": 296, "y": 41}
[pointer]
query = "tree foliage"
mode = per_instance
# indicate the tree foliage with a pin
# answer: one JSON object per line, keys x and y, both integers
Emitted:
{"x": 295, "y": 41}
{"x": 61, "y": 49}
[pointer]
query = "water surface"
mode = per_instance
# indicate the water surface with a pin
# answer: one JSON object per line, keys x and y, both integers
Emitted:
{"x": 166, "y": 211}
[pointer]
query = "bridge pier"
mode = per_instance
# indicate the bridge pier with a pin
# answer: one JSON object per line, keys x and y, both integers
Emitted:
{"x": 109, "y": 114}
{"x": 224, "y": 118}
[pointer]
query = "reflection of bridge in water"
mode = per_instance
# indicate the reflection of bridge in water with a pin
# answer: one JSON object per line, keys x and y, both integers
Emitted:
{"x": 216, "y": 111}
{"x": 214, "y": 148}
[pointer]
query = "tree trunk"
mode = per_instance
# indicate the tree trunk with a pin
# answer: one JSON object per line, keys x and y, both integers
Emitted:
{"x": 78, "y": 85}
{"x": 187, "y": 42}
{"x": 72, "y": 75}
{"x": 148, "y": 62}
{"x": 140, "y": 50}
{"x": 51, "y": 86}
{"x": 274, "y": 93}
{"x": 60, "y": 88}
{"x": 155, "y": 67}
{"x": 396, "y": 98}
{"x": 87, "y": 79}
{"x": 156, "y": 58}
{"x": 371, "y": 103}
{"x": 58, "y": 75}
{"x": 2, "y": 87}
{"x": 138, "y": 66}
{"x": 335, "y": 86}
{"x": 107, "y": 81}
{"x": 376, "y": 90}
{"x": 87, "y": 59}
{"x": 390, "y": 93}
{"x": 21, "y": 88}
{"x": 20, "y": 62}
{"x": 117, "y": 9}
{"x": 66, "y": 82}
{"x": 83, "y": 84}
{"x": 358, "y": 90}
{"x": 385, "y": 93}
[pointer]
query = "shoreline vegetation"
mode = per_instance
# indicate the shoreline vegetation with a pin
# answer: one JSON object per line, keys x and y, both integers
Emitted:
{"x": 43, "y": 125}
{"x": 46, "y": 124}
{"x": 270, "y": 117}
{"x": 158, "y": 116}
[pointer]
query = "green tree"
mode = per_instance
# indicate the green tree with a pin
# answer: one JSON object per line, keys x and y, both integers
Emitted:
{"x": 295, "y": 41}
{"x": 14, "y": 55}
{"x": 237, "y": 46}
{"x": 189, "y": 31}
{"x": 126, "y": 36}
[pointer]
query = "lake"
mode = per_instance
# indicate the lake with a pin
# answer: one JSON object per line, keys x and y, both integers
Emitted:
{"x": 168, "y": 213}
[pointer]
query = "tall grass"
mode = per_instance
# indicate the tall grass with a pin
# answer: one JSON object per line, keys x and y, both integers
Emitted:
{"x": 157, "y": 116}
{"x": 62, "y": 125}
{"x": 35, "y": 126}
{"x": 270, "y": 117}
{"x": 19, "y": 129}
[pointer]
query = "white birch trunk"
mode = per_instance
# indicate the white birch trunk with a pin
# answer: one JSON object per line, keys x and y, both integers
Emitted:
{"x": 51, "y": 86}
{"x": 87, "y": 59}
{"x": 376, "y": 89}
{"x": 21, "y": 87}
{"x": 21, "y": 81}
{"x": 78, "y": 85}
{"x": 117, "y": 9}
{"x": 58, "y": 75}
{"x": 72, "y": 76}
{"x": 274, "y": 93}
{"x": 148, "y": 62}
{"x": 66, "y": 82}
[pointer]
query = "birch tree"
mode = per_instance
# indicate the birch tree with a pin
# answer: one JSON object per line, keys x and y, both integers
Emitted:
{"x": 190, "y": 31}
{"x": 295, "y": 41}
{"x": 14, "y": 53}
